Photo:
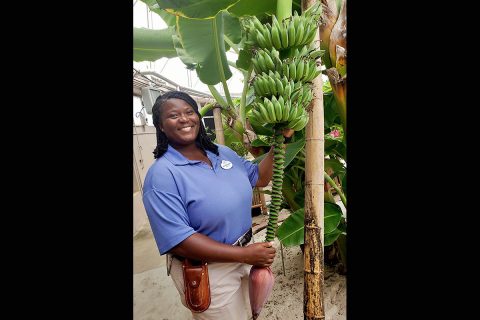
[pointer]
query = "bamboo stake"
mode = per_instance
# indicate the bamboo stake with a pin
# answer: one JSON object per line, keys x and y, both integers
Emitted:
{"x": 313, "y": 304}
{"x": 217, "y": 118}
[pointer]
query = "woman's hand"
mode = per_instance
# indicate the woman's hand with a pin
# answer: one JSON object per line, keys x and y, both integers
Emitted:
{"x": 260, "y": 254}
{"x": 288, "y": 133}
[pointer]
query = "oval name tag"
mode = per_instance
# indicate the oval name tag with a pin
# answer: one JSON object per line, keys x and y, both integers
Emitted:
{"x": 226, "y": 164}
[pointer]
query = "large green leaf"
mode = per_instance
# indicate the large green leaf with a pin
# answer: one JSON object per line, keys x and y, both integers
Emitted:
{"x": 290, "y": 152}
{"x": 169, "y": 18}
{"x": 259, "y": 143}
{"x": 329, "y": 238}
{"x": 199, "y": 9}
{"x": 332, "y": 216}
{"x": 244, "y": 59}
{"x": 203, "y": 42}
{"x": 291, "y": 231}
{"x": 182, "y": 54}
{"x": 232, "y": 28}
{"x": 253, "y": 7}
{"x": 151, "y": 45}
{"x": 344, "y": 184}
{"x": 336, "y": 166}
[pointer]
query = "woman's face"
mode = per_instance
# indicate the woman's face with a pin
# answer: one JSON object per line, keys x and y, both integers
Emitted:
{"x": 179, "y": 122}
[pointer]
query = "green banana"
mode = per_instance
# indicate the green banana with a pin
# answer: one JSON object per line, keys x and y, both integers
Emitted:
{"x": 267, "y": 36}
{"x": 264, "y": 112}
{"x": 291, "y": 34}
{"x": 284, "y": 35}
{"x": 260, "y": 39}
{"x": 270, "y": 109}
{"x": 268, "y": 61}
{"x": 286, "y": 110}
{"x": 280, "y": 88}
{"x": 299, "y": 69}
{"x": 300, "y": 30}
{"x": 292, "y": 70}
{"x": 277, "y": 108}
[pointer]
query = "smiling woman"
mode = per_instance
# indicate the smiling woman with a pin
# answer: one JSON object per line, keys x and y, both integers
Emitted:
{"x": 198, "y": 198}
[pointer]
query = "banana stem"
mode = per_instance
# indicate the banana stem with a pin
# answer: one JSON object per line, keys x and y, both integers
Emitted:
{"x": 217, "y": 96}
{"x": 243, "y": 99}
{"x": 278, "y": 166}
{"x": 284, "y": 9}
{"x": 207, "y": 107}
{"x": 220, "y": 68}
{"x": 231, "y": 44}
{"x": 334, "y": 185}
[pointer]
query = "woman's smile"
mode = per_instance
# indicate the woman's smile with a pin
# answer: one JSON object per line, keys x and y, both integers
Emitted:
{"x": 179, "y": 122}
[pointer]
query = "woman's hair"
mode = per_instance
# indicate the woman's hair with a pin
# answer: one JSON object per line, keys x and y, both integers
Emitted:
{"x": 202, "y": 140}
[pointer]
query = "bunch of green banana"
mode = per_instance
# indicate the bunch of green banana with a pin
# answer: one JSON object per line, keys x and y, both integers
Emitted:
{"x": 277, "y": 111}
{"x": 303, "y": 95}
{"x": 266, "y": 60}
{"x": 300, "y": 69}
{"x": 307, "y": 52}
{"x": 298, "y": 31}
{"x": 266, "y": 85}
{"x": 284, "y": 61}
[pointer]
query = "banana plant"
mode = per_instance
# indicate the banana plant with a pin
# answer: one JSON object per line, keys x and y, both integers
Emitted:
{"x": 201, "y": 34}
{"x": 333, "y": 33}
{"x": 278, "y": 60}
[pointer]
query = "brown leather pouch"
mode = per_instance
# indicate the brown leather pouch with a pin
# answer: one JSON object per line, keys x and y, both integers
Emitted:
{"x": 197, "y": 285}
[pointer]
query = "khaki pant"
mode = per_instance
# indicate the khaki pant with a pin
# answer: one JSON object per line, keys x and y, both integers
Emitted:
{"x": 228, "y": 287}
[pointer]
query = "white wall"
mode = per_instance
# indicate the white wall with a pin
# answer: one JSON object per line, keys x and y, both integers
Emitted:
{"x": 144, "y": 142}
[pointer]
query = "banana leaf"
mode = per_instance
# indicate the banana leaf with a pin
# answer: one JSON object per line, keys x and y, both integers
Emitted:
{"x": 151, "y": 45}
{"x": 290, "y": 152}
{"x": 168, "y": 18}
{"x": 291, "y": 231}
{"x": 197, "y": 9}
{"x": 203, "y": 42}
{"x": 253, "y": 7}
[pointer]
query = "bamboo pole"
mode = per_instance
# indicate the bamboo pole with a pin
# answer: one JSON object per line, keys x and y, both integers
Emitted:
{"x": 313, "y": 304}
{"x": 217, "y": 118}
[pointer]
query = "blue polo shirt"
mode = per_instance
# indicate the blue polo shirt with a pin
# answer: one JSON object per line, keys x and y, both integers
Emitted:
{"x": 183, "y": 196}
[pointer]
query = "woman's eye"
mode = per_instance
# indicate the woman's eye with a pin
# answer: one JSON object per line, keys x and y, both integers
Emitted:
{"x": 189, "y": 113}
{"x": 173, "y": 116}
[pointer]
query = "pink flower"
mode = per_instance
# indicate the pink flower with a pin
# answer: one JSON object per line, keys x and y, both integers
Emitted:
{"x": 335, "y": 133}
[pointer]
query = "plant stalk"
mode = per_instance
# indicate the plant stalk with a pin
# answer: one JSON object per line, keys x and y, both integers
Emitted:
{"x": 243, "y": 99}
{"x": 231, "y": 44}
{"x": 207, "y": 107}
{"x": 334, "y": 185}
{"x": 220, "y": 68}
{"x": 284, "y": 9}
{"x": 278, "y": 166}
{"x": 217, "y": 96}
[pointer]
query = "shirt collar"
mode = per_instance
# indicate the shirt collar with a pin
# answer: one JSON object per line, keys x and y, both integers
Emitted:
{"x": 179, "y": 159}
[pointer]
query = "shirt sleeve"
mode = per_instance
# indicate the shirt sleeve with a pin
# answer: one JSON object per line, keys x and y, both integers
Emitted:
{"x": 252, "y": 171}
{"x": 168, "y": 218}
{"x": 250, "y": 167}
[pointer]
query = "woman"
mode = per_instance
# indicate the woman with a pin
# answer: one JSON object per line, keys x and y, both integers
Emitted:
{"x": 198, "y": 198}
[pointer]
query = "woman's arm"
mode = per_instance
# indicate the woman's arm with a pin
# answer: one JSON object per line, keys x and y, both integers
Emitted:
{"x": 201, "y": 247}
{"x": 265, "y": 170}
{"x": 265, "y": 167}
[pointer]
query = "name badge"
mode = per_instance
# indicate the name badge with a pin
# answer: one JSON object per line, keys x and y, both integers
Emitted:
{"x": 226, "y": 164}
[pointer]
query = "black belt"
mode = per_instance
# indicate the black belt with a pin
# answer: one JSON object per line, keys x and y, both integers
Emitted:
{"x": 242, "y": 241}
{"x": 245, "y": 239}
